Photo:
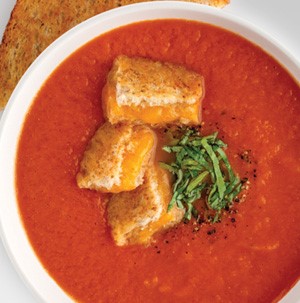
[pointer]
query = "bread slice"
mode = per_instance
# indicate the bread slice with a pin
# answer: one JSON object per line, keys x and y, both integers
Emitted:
{"x": 135, "y": 216}
{"x": 34, "y": 24}
{"x": 116, "y": 158}
{"x": 141, "y": 90}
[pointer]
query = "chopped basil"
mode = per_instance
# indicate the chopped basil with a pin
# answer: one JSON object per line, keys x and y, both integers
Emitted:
{"x": 201, "y": 170}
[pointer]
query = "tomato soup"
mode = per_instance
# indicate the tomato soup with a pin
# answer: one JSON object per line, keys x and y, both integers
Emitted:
{"x": 253, "y": 255}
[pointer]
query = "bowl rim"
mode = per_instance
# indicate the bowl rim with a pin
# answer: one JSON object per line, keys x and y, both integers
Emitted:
{"x": 9, "y": 216}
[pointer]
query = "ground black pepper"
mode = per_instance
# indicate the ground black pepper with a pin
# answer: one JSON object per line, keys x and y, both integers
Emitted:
{"x": 211, "y": 232}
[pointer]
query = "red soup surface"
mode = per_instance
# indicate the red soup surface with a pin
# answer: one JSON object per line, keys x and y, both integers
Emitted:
{"x": 253, "y": 255}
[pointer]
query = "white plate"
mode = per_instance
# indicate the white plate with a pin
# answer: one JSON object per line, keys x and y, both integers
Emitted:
{"x": 13, "y": 234}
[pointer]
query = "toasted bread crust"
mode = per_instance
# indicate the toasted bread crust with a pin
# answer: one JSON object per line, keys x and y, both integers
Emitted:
{"x": 34, "y": 24}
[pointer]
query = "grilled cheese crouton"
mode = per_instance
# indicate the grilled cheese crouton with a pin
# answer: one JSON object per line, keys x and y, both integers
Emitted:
{"x": 116, "y": 158}
{"x": 135, "y": 216}
{"x": 140, "y": 90}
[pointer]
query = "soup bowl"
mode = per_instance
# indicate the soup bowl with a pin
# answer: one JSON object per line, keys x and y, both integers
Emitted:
{"x": 13, "y": 233}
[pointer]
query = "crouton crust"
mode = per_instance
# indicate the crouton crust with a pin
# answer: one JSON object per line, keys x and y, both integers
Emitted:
{"x": 144, "y": 82}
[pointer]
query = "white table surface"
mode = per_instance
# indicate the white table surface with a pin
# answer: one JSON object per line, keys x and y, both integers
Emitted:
{"x": 280, "y": 18}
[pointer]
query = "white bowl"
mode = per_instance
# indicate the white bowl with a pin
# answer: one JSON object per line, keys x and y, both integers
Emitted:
{"x": 12, "y": 231}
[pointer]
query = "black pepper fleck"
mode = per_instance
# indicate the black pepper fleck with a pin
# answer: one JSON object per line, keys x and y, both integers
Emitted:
{"x": 244, "y": 180}
{"x": 211, "y": 232}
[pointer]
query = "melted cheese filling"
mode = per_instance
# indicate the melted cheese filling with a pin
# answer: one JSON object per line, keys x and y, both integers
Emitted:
{"x": 183, "y": 113}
